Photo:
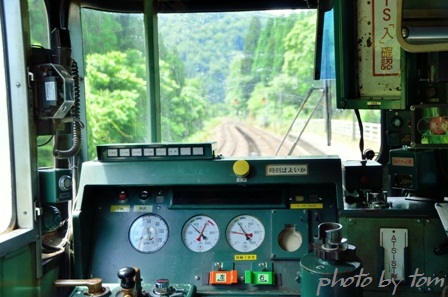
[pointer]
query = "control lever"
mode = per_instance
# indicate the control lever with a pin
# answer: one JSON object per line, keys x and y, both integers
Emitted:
{"x": 130, "y": 281}
{"x": 94, "y": 285}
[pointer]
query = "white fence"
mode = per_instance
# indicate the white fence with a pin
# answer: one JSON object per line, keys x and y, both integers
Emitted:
{"x": 372, "y": 131}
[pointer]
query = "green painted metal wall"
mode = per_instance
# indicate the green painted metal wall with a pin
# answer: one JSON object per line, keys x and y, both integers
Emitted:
{"x": 18, "y": 273}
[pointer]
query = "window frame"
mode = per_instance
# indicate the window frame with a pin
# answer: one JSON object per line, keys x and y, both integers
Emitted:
{"x": 5, "y": 146}
{"x": 15, "y": 25}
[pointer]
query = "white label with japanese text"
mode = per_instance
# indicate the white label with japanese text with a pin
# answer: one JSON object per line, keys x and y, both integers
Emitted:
{"x": 386, "y": 50}
{"x": 379, "y": 54}
{"x": 286, "y": 169}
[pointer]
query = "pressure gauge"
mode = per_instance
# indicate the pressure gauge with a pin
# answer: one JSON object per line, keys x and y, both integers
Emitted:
{"x": 148, "y": 233}
{"x": 245, "y": 233}
{"x": 200, "y": 233}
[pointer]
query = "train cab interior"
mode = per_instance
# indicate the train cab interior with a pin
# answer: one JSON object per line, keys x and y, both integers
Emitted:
{"x": 213, "y": 148}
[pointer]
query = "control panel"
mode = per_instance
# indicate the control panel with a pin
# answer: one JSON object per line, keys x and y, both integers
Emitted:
{"x": 401, "y": 240}
{"x": 215, "y": 226}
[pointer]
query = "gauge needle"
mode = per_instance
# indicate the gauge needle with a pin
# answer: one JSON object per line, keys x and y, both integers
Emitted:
{"x": 248, "y": 235}
{"x": 149, "y": 234}
{"x": 141, "y": 237}
{"x": 201, "y": 233}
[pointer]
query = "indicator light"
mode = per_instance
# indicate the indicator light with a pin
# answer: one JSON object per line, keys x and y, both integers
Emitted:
{"x": 123, "y": 196}
{"x": 144, "y": 195}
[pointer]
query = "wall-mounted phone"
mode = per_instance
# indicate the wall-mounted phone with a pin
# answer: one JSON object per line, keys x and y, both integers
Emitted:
{"x": 55, "y": 91}
{"x": 55, "y": 80}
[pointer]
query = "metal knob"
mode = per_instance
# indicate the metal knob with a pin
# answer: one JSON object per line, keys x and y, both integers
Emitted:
{"x": 126, "y": 275}
{"x": 65, "y": 182}
{"x": 162, "y": 286}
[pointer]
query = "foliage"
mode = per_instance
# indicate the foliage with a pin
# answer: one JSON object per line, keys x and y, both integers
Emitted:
{"x": 184, "y": 106}
{"x": 116, "y": 98}
{"x": 106, "y": 31}
{"x": 270, "y": 50}
{"x": 99, "y": 32}
{"x": 281, "y": 68}
{"x": 205, "y": 44}
{"x": 299, "y": 51}
{"x": 175, "y": 67}
{"x": 38, "y": 23}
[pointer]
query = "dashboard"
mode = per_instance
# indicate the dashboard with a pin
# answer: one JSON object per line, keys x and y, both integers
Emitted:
{"x": 201, "y": 223}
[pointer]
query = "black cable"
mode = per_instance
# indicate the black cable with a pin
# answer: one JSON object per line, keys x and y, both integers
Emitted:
{"x": 46, "y": 142}
{"x": 361, "y": 133}
{"x": 77, "y": 124}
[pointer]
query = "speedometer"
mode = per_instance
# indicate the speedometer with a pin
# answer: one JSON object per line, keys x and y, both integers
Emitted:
{"x": 148, "y": 233}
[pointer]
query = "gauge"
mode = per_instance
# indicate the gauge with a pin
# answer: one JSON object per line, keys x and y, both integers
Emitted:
{"x": 148, "y": 233}
{"x": 200, "y": 233}
{"x": 245, "y": 233}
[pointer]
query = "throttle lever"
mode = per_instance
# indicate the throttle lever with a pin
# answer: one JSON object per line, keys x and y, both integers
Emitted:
{"x": 94, "y": 285}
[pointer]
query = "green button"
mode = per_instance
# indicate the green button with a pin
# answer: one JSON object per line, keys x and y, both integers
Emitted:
{"x": 259, "y": 277}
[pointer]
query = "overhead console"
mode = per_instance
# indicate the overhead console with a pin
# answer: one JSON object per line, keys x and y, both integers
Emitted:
{"x": 208, "y": 226}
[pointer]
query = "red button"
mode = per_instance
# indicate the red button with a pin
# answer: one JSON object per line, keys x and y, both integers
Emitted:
{"x": 122, "y": 196}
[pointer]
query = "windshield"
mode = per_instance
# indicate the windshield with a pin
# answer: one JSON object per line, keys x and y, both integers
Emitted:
{"x": 243, "y": 80}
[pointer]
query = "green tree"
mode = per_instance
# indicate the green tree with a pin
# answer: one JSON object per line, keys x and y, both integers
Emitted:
{"x": 268, "y": 59}
{"x": 209, "y": 41}
{"x": 38, "y": 23}
{"x": 250, "y": 45}
{"x": 172, "y": 58}
{"x": 100, "y": 32}
{"x": 299, "y": 51}
{"x": 115, "y": 95}
{"x": 183, "y": 108}
{"x": 247, "y": 81}
{"x": 234, "y": 90}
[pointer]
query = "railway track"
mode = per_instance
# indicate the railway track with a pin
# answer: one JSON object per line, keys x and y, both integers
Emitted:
{"x": 235, "y": 138}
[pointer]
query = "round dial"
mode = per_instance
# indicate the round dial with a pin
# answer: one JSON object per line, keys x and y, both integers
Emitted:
{"x": 245, "y": 233}
{"x": 200, "y": 233}
{"x": 148, "y": 233}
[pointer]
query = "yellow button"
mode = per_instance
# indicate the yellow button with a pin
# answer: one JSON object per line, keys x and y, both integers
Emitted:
{"x": 241, "y": 168}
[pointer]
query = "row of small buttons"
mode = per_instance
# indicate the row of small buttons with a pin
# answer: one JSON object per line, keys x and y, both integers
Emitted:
{"x": 155, "y": 152}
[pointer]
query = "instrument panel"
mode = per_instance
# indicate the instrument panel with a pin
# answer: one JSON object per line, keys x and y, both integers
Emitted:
{"x": 212, "y": 230}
